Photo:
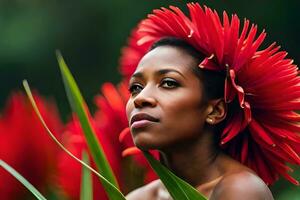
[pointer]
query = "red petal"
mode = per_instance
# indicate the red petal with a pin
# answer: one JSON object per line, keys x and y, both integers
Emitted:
{"x": 131, "y": 151}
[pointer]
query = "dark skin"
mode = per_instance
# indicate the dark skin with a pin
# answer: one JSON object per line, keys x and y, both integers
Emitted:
{"x": 165, "y": 87}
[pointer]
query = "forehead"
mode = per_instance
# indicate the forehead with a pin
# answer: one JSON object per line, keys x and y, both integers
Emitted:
{"x": 167, "y": 57}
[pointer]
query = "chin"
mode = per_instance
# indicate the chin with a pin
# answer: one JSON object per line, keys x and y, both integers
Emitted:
{"x": 145, "y": 143}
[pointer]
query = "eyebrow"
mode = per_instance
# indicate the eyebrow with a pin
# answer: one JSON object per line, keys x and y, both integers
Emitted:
{"x": 159, "y": 72}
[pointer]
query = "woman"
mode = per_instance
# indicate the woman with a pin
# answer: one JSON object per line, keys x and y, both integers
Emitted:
{"x": 220, "y": 112}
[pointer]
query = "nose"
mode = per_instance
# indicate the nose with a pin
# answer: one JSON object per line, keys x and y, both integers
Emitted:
{"x": 145, "y": 98}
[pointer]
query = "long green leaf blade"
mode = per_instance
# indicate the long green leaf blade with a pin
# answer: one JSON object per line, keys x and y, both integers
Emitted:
{"x": 20, "y": 178}
{"x": 86, "y": 192}
{"x": 79, "y": 107}
{"x": 178, "y": 188}
{"x": 113, "y": 192}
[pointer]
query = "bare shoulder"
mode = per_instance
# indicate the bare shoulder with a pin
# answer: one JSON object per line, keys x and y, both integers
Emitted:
{"x": 147, "y": 192}
{"x": 241, "y": 185}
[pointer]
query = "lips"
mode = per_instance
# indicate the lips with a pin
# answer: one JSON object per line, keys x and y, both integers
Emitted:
{"x": 141, "y": 120}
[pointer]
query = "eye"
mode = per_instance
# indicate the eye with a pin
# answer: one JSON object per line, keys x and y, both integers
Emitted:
{"x": 135, "y": 88}
{"x": 169, "y": 83}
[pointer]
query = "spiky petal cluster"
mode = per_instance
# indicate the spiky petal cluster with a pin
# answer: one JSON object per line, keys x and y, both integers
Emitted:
{"x": 25, "y": 145}
{"x": 264, "y": 133}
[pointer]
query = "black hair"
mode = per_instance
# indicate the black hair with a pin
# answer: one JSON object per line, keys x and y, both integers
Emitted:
{"x": 213, "y": 81}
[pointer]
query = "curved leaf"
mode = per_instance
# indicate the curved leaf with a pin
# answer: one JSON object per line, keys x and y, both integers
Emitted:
{"x": 79, "y": 107}
{"x": 178, "y": 188}
{"x": 112, "y": 191}
{"x": 86, "y": 192}
{"x": 20, "y": 178}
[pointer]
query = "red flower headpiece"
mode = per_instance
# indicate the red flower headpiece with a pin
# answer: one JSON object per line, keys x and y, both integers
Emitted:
{"x": 264, "y": 134}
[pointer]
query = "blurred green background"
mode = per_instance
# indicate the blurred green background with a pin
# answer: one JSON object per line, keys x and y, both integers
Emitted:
{"x": 91, "y": 33}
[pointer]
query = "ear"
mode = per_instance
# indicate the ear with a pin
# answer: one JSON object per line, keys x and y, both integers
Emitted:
{"x": 217, "y": 111}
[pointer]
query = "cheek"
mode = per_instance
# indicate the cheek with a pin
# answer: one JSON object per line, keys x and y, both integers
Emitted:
{"x": 186, "y": 116}
{"x": 129, "y": 108}
{"x": 188, "y": 120}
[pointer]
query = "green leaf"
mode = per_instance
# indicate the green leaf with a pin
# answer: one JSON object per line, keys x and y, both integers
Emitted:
{"x": 86, "y": 192}
{"x": 178, "y": 188}
{"x": 112, "y": 191}
{"x": 79, "y": 107}
{"x": 20, "y": 178}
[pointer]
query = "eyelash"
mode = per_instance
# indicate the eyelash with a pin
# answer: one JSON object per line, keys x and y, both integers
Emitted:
{"x": 169, "y": 80}
{"x": 135, "y": 88}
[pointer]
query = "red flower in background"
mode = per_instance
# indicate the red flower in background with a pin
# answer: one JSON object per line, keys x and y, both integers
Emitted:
{"x": 69, "y": 170}
{"x": 111, "y": 117}
{"x": 109, "y": 121}
{"x": 25, "y": 145}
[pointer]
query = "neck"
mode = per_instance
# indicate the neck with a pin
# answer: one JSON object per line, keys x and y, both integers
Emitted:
{"x": 196, "y": 161}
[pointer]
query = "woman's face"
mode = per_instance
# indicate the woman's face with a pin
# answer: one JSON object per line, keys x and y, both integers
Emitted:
{"x": 166, "y": 107}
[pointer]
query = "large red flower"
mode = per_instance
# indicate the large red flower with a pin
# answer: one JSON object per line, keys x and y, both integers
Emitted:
{"x": 25, "y": 145}
{"x": 264, "y": 133}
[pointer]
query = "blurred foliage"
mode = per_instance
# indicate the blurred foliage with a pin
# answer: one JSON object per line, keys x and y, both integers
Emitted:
{"x": 91, "y": 33}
